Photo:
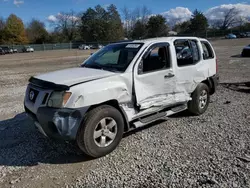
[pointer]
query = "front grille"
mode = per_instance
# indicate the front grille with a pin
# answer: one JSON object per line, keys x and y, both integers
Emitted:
{"x": 246, "y": 52}
{"x": 33, "y": 95}
{"x": 48, "y": 85}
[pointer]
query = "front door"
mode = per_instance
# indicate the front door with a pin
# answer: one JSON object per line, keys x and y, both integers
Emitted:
{"x": 154, "y": 78}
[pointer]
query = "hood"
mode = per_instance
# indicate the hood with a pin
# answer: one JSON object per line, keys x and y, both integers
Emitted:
{"x": 74, "y": 76}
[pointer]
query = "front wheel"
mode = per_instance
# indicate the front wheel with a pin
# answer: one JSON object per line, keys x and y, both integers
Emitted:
{"x": 101, "y": 131}
{"x": 200, "y": 100}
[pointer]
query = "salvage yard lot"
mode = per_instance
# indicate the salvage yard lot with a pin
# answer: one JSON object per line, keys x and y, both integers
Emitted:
{"x": 212, "y": 150}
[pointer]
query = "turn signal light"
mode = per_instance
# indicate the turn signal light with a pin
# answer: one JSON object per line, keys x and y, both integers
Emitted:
{"x": 66, "y": 97}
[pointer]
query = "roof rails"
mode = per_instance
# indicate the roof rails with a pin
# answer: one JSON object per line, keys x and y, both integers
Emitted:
{"x": 123, "y": 41}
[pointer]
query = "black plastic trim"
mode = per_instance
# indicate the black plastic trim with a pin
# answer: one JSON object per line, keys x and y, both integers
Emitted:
{"x": 48, "y": 85}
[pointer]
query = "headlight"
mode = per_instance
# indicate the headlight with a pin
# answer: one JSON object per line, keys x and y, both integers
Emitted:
{"x": 59, "y": 99}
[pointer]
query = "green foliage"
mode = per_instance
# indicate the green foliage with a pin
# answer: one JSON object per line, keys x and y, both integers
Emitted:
{"x": 2, "y": 32}
{"x": 157, "y": 27}
{"x": 36, "y": 32}
{"x": 182, "y": 27}
{"x": 115, "y": 28}
{"x": 14, "y": 31}
{"x": 101, "y": 25}
{"x": 198, "y": 22}
{"x": 139, "y": 30}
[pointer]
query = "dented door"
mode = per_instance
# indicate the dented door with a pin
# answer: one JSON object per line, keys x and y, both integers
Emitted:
{"x": 154, "y": 78}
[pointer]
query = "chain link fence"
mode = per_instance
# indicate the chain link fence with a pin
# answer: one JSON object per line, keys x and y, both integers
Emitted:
{"x": 56, "y": 46}
{"x": 214, "y": 34}
{"x": 74, "y": 45}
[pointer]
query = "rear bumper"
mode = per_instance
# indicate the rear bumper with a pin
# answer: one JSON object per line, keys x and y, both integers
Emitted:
{"x": 216, "y": 80}
{"x": 214, "y": 83}
{"x": 57, "y": 123}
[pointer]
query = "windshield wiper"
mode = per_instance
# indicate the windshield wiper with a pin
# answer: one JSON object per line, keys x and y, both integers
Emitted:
{"x": 93, "y": 65}
{"x": 102, "y": 67}
{"x": 111, "y": 67}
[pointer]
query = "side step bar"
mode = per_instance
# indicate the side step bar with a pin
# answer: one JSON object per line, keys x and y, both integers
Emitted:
{"x": 159, "y": 115}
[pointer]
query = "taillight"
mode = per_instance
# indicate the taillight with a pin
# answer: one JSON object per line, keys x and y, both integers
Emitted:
{"x": 216, "y": 65}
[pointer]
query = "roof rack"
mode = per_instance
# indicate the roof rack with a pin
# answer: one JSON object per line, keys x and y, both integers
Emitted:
{"x": 123, "y": 41}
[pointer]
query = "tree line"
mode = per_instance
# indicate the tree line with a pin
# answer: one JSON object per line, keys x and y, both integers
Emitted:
{"x": 105, "y": 24}
{"x": 230, "y": 21}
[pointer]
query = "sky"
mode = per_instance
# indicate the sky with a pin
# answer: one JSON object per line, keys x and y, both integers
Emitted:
{"x": 179, "y": 9}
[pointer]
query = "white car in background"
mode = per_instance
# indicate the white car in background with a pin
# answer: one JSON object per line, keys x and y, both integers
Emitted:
{"x": 28, "y": 49}
{"x": 15, "y": 50}
{"x": 84, "y": 47}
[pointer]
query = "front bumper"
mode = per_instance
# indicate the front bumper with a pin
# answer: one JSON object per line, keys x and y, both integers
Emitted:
{"x": 245, "y": 53}
{"x": 57, "y": 123}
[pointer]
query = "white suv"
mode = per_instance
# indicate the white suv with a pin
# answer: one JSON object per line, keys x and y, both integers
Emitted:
{"x": 121, "y": 87}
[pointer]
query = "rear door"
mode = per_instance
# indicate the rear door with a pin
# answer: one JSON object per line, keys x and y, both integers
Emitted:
{"x": 154, "y": 78}
{"x": 192, "y": 69}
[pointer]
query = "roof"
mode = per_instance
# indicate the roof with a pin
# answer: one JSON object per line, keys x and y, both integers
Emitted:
{"x": 164, "y": 39}
{"x": 158, "y": 39}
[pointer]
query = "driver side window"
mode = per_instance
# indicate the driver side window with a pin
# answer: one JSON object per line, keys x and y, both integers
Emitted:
{"x": 157, "y": 59}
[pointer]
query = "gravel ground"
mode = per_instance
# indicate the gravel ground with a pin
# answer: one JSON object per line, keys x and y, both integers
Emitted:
{"x": 184, "y": 151}
{"x": 212, "y": 150}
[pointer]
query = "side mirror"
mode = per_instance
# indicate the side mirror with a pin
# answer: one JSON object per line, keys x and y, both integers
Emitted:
{"x": 140, "y": 67}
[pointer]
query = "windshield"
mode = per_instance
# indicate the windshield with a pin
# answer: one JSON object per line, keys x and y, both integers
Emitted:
{"x": 114, "y": 57}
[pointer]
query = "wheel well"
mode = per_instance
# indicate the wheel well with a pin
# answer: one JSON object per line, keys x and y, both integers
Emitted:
{"x": 210, "y": 84}
{"x": 114, "y": 103}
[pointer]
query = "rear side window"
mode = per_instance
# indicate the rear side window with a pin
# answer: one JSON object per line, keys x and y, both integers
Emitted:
{"x": 187, "y": 52}
{"x": 195, "y": 49}
{"x": 207, "y": 50}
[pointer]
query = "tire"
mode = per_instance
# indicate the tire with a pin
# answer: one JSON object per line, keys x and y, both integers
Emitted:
{"x": 195, "y": 106}
{"x": 92, "y": 124}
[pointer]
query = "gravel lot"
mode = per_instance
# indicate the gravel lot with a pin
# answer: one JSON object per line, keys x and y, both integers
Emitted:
{"x": 212, "y": 150}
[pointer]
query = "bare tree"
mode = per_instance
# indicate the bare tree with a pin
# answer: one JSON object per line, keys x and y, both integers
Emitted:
{"x": 242, "y": 21}
{"x": 131, "y": 17}
{"x": 230, "y": 19}
{"x": 145, "y": 12}
{"x": 2, "y": 23}
{"x": 67, "y": 24}
{"x": 127, "y": 20}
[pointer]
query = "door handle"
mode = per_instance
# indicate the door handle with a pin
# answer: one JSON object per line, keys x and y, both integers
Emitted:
{"x": 170, "y": 75}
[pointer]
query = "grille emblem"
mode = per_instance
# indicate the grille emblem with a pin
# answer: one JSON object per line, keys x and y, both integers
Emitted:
{"x": 31, "y": 95}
